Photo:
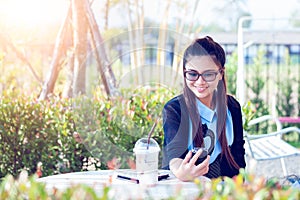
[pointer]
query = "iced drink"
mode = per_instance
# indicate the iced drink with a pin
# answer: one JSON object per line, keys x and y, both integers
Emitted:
{"x": 147, "y": 160}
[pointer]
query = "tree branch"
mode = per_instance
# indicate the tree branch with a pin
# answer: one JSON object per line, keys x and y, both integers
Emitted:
{"x": 21, "y": 56}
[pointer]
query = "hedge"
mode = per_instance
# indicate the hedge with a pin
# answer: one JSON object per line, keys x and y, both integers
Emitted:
{"x": 36, "y": 133}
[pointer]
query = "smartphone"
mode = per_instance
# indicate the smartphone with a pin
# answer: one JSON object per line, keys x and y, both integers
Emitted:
{"x": 203, "y": 155}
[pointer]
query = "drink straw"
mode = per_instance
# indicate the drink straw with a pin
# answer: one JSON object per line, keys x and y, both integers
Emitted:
{"x": 150, "y": 133}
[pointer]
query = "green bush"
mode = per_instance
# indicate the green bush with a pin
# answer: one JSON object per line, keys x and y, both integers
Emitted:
{"x": 231, "y": 69}
{"x": 34, "y": 132}
{"x": 109, "y": 128}
{"x": 256, "y": 83}
{"x": 286, "y": 105}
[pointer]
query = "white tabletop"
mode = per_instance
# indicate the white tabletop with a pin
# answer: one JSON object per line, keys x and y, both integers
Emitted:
{"x": 122, "y": 189}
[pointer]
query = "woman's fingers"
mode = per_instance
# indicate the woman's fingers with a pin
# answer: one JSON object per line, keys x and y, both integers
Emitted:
{"x": 200, "y": 169}
{"x": 196, "y": 156}
{"x": 187, "y": 158}
{"x": 204, "y": 166}
{"x": 188, "y": 169}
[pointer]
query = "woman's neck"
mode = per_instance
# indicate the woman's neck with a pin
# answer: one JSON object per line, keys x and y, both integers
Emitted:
{"x": 209, "y": 101}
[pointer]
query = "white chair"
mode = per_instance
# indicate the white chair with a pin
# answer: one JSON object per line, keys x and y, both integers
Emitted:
{"x": 270, "y": 146}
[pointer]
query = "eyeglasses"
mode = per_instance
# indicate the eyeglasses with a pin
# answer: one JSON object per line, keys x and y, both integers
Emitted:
{"x": 193, "y": 75}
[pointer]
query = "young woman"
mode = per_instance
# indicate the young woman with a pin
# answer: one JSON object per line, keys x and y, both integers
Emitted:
{"x": 203, "y": 133}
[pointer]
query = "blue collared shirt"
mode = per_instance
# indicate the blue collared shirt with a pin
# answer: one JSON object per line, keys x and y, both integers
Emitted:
{"x": 209, "y": 118}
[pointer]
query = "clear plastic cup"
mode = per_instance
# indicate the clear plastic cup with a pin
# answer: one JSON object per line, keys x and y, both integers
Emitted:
{"x": 147, "y": 161}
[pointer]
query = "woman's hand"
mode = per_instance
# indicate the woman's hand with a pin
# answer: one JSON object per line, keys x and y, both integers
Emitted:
{"x": 186, "y": 170}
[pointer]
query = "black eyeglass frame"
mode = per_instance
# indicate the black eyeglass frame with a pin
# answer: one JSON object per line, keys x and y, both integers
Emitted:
{"x": 203, "y": 77}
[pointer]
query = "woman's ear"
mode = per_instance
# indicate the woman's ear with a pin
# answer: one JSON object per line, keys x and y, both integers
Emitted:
{"x": 221, "y": 76}
{"x": 222, "y": 73}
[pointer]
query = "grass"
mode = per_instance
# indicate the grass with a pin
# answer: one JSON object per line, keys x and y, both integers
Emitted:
{"x": 295, "y": 144}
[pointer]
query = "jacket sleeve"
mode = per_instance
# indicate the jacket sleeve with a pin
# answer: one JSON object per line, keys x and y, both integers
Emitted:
{"x": 175, "y": 132}
{"x": 237, "y": 148}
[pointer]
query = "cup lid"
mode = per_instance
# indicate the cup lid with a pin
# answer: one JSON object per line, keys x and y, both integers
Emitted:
{"x": 142, "y": 144}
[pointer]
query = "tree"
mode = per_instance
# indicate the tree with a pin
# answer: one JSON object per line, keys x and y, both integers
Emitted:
{"x": 6, "y": 42}
{"x": 81, "y": 17}
{"x": 295, "y": 18}
{"x": 80, "y": 42}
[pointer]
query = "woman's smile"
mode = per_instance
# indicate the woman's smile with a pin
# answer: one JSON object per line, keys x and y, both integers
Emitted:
{"x": 201, "y": 89}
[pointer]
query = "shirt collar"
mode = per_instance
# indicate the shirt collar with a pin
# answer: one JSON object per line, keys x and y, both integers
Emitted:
{"x": 204, "y": 111}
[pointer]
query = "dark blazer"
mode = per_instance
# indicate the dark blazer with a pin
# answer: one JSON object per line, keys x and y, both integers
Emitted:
{"x": 176, "y": 130}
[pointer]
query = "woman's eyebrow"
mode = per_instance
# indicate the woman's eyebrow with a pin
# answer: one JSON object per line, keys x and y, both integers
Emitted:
{"x": 209, "y": 70}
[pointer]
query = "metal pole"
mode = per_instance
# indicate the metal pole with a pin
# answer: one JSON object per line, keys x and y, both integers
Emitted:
{"x": 240, "y": 81}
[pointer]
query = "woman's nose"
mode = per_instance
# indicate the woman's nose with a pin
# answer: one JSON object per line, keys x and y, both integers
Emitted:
{"x": 201, "y": 80}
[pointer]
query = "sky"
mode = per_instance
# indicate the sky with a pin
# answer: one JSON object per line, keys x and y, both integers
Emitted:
{"x": 266, "y": 10}
{"x": 40, "y": 12}
{"x": 272, "y": 8}
{"x": 31, "y": 12}
{"x": 260, "y": 9}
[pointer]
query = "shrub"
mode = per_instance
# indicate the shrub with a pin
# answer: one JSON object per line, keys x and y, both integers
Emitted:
{"x": 109, "y": 128}
{"x": 231, "y": 69}
{"x": 33, "y": 132}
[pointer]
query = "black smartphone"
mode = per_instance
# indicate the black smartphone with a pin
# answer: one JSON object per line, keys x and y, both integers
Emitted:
{"x": 203, "y": 155}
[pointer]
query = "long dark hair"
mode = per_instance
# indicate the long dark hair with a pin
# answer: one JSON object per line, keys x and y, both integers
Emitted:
{"x": 203, "y": 47}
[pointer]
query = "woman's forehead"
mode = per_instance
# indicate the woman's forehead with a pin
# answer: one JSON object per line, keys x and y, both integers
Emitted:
{"x": 201, "y": 62}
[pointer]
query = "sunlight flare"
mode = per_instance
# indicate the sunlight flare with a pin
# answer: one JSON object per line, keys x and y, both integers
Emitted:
{"x": 31, "y": 12}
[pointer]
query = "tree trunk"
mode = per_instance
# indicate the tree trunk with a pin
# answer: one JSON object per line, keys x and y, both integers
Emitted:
{"x": 80, "y": 46}
{"x": 82, "y": 21}
{"x": 104, "y": 65}
{"x": 162, "y": 42}
{"x": 107, "y": 5}
{"x": 49, "y": 84}
{"x": 68, "y": 88}
{"x": 132, "y": 35}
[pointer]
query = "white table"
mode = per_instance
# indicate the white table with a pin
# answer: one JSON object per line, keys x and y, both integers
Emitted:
{"x": 122, "y": 189}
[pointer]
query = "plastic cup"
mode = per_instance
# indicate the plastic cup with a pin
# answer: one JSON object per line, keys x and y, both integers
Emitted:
{"x": 147, "y": 161}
